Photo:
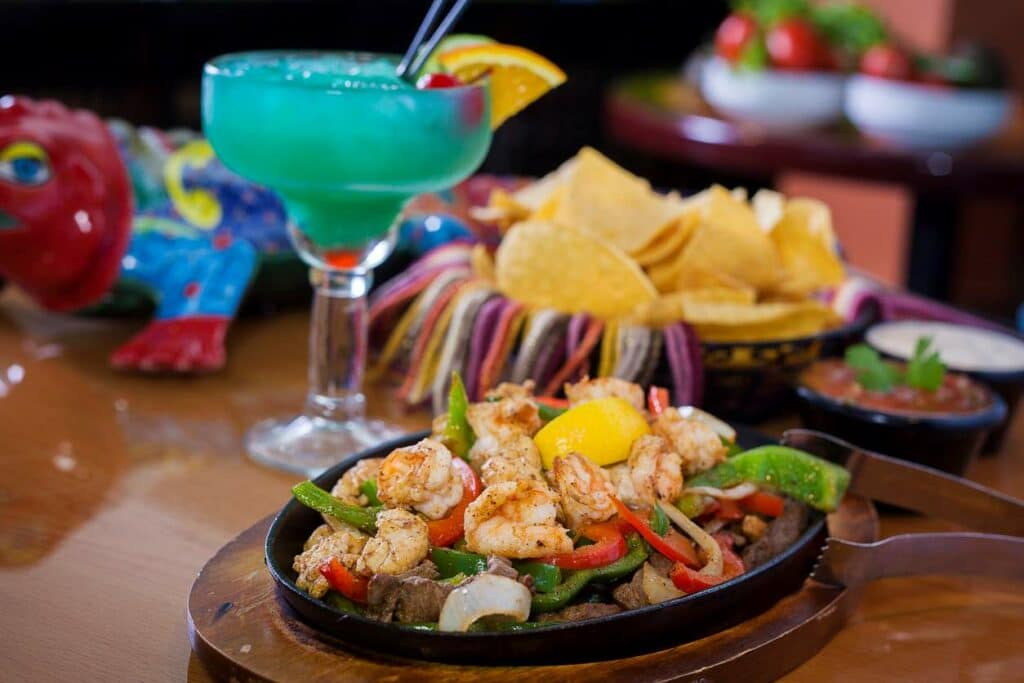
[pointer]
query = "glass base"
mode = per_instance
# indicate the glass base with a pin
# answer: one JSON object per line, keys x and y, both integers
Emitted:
{"x": 309, "y": 445}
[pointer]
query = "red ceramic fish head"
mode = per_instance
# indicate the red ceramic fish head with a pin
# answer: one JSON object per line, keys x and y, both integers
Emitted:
{"x": 65, "y": 203}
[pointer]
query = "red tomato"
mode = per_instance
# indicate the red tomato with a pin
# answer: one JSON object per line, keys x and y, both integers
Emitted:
{"x": 887, "y": 61}
{"x": 438, "y": 80}
{"x": 794, "y": 44}
{"x": 733, "y": 35}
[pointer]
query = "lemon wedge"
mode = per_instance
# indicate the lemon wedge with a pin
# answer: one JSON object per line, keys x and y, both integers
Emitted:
{"x": 603, "y": 430}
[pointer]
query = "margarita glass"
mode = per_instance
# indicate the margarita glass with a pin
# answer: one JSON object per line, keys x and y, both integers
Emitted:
{"x": 345, "y": 143}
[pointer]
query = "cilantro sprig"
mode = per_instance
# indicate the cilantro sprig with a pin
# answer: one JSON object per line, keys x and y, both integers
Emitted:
{"x": 924, "y": 370}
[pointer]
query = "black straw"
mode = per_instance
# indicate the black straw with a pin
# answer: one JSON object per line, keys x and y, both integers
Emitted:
{"x": 414, "y": 57}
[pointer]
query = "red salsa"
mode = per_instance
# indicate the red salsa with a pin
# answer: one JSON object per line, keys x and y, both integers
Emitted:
{"x": 957, "y": 394}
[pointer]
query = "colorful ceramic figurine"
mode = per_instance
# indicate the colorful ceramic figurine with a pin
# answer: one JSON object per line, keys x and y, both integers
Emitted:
{"x": 97, "y": 214}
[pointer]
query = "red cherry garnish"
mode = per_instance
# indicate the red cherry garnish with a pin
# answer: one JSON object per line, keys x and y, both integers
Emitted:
{"x": 438, "y": 80}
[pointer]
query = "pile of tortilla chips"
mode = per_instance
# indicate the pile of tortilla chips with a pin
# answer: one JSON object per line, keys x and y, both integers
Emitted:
{"x": 593, "y": 238}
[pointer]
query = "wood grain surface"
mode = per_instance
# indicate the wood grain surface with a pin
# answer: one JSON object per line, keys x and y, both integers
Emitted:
{"x": 115, "y": 489}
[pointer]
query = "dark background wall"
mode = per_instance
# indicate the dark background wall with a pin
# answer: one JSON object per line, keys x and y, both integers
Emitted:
{"x": 142, "y": 60}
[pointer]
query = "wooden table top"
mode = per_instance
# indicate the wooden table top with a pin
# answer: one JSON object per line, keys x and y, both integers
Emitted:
{"x": 115, "y": 489}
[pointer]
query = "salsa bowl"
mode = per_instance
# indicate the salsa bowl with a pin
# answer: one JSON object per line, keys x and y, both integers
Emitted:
{"x": 945, "y": 441}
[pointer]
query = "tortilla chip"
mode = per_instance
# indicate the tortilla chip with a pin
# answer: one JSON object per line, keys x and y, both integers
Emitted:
{"x": 730, "y": 242}
{"x": 766, "y": 321}
{"x": 670, "y": 242}
{"x": 482, "y": 263}
{"x": 807, "y": 249}
{"x": 768, "y": 206}
{"x": 545, "y": 265}
{"x": 610, "y": 203}
{"x": 537, "y": 194}
{"x": 507, "y": 208}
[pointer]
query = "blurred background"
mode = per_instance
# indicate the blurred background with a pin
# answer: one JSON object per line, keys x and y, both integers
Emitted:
{"x": 141, "y": 61}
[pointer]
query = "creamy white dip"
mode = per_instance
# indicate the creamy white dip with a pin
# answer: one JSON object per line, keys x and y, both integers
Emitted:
{"x": 960, "y": 347}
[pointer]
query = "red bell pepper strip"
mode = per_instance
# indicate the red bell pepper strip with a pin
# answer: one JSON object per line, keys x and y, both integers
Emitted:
{"x": 690, "y": 581}
{"x": 674, "y": 546}
{"x": 728, "y": 510}
{"x": 767, "y": 504}
{"x": 609, "y": 545}
{"x": 552, "y": 402}
{"x": 657, "y": 400}
{"x": 352, "y": 586}
{"x": 443, "y": 532}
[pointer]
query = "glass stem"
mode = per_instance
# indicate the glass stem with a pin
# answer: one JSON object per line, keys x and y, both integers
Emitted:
{"x": 337, "y": 344}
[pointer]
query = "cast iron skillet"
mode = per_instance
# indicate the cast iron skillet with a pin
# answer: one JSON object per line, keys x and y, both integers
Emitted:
{"x": 630, "y": 632}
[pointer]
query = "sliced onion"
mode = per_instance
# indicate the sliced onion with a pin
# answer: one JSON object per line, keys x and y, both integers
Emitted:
{"x": 717, "y": 426}
{"x": 486, "y": 595}
{"x": 657, "y": 587}
{"x": 703, "y": 539}
{"x": 734, "y": 493}
{"x": 715, "y": 525}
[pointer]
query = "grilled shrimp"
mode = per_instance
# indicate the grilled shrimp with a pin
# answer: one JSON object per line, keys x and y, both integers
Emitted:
{"x": 507, "y": 458}
{"x": 322, "y": 545}
{"x": 504, "y": 417}
{"x": 656, "y": 469}
{"x": 511, "y": 390}
{"x": 585, "y": 490}
{"x": 516, "y": 519}
{"x": 421, "y": 477}
{"x": 697, "y": 444}
{"x": 401, "y": 543}
{"x": 603, "y": 387}
{"x": 622, "y": 480}
{"x": 347, "y": 488}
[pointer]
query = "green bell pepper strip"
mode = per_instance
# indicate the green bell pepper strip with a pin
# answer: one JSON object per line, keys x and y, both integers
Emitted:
{"x": 659, "y": 521}
{"x": 454, "y": 580}
{"x": 369, "y": 489}
{"x": 548, "y": 413}
{"x": 546, "y": 577}
{"x": 731, "y": 447}
{"x": 691, "y": 504}
{"x": 799, "y": 475}
{"x": 454, "y": 562}
{"x": 458, "y": 435}
{"x": 451, "y": 562}
{"x": 341, "y": 603}
{"x": 567, "y": 590}
{"x": 312, "y": 496}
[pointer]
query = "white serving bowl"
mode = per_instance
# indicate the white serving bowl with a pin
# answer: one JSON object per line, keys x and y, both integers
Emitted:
{"x": 921, "y": 116}
{"x": 779, "y": 100}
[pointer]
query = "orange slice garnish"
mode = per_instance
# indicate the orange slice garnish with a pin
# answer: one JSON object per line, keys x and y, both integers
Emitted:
{"x": 517, "y": 76}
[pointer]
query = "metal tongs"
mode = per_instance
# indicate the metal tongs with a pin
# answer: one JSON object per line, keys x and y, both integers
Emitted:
{"x": 998, "y": 552}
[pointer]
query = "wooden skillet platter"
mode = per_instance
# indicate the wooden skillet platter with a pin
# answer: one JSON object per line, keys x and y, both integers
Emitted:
{"x": 241, "y": 629}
